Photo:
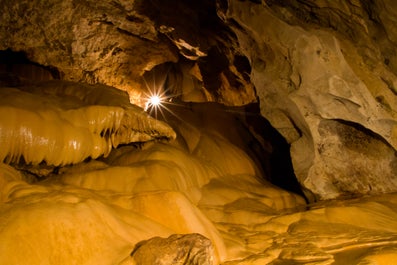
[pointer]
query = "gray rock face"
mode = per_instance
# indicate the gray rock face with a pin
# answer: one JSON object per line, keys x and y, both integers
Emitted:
{"x": 190, "y": 249}
{"x": 325, "y": 77}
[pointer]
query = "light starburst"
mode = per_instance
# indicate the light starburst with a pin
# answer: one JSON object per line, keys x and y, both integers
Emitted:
{"x": 155, "y": 101}
{"x": 157, "y": 97}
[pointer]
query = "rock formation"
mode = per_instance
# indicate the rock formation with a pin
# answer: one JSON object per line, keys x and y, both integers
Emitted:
{"x": 321, "y": 78}
{"x": 60, "y": 123}
{"x": 322, "y": 73}
{"x": 325, "y": 80}
{"x": 192, "y": 249}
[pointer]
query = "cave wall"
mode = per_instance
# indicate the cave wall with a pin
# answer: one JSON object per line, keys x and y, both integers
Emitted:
{"x": 116, "y": 42}
{"x": 325, "y": 77}
{"x": 324, "y": 72}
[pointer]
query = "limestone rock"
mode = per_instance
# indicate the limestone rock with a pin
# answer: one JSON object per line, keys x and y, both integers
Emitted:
{"x": 116, "y": 42}
{"x": 87, "y": 41}
{"x": 189, "y": 249}
{"x": 60, "y": 123}
{"x": 325, "y": 77}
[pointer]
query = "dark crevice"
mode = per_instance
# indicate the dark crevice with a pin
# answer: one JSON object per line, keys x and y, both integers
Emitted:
{"x": 243, "y": 66}
{"x": 211, "y": 66}
{"x": 126, "y": 32}
{"x": 279, "y": 163}
{"x": 16, "y": 69}
{"x": 134, "y": 19}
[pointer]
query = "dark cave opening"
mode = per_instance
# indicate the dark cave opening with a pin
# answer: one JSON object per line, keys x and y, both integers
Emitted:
{"x": 16, "y": 70}
{"x": 278, "y": 163}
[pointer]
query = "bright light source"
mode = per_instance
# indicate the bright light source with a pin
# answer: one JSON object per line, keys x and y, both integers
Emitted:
{"x": 154, "y": 100}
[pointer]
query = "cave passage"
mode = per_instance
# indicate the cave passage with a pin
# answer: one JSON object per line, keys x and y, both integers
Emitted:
{"x": 264, "y": 144}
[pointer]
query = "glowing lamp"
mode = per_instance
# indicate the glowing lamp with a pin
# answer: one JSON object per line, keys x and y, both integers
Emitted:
{"x": 154, "y": 100}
